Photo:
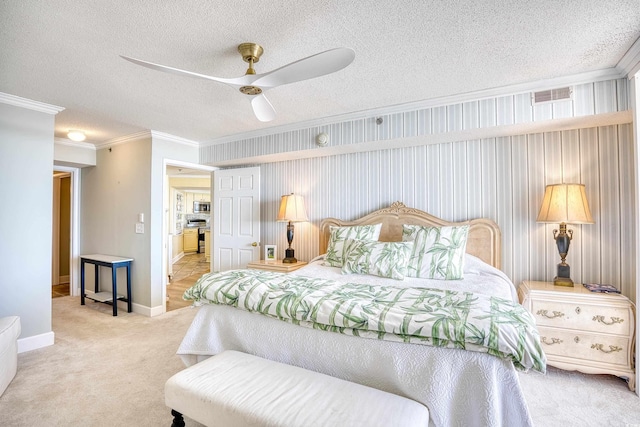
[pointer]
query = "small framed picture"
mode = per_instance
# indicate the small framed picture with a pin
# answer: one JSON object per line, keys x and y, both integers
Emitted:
{"x": 270, "y": 252}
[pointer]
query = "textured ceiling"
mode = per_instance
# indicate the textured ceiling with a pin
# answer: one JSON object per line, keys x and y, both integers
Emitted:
{"x": 66, "y": 53}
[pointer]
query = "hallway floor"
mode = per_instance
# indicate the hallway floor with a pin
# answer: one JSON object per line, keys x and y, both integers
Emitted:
{"x": 61, "y": 290}
{"x": 186, "y": 272}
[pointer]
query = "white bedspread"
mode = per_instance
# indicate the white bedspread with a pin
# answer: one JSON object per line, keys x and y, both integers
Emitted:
{"x": 479, "y": 277}
{"x": 460, "y": 388}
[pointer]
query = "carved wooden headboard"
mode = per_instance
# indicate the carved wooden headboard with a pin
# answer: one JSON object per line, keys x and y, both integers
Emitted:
{"x": 484, "y": 239}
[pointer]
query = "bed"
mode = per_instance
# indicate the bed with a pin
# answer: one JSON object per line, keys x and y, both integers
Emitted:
{"x": 459, "y": 387}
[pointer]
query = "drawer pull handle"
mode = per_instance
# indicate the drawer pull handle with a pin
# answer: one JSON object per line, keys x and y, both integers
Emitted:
{"x": 614, "y": 320}
{"x": 578, "y": 310}
{"x": 577, "y": 339}
{"x": 553, "y": 341}
{"x": 545, "y": 313}
{"x": 612, "y": 348}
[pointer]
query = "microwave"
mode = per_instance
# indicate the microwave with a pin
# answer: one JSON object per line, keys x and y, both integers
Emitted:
{"x": 201, "y": 207}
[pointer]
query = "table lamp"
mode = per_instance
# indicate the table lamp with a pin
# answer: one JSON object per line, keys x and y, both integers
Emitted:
{"x": 564, "y": 204}
{"x": 291, "y": 210}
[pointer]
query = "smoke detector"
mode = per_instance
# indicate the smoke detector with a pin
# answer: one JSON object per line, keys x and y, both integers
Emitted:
{"x": 322, "y": 139}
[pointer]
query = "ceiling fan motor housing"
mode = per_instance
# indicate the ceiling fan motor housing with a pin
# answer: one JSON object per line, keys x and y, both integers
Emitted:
{"x": 251, "y": 90}
{"x": 251, "y": 53}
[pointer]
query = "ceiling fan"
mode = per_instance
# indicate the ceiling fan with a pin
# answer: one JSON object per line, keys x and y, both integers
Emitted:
{"x": 255, "y": 85}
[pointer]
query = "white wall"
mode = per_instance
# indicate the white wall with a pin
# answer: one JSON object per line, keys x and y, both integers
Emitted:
{"x": 26, "y": 176}
{"x": 127, "y": 180}
{"x": 502, "y": 178}
{"x": 73, "y": 154}
{"x": 164, "y": 147}
{"x": 113, "y": 193}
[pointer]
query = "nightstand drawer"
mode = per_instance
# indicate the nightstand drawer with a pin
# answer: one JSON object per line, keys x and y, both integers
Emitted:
{"x": 584, "y": 346}
{"x": 582, "y": 317}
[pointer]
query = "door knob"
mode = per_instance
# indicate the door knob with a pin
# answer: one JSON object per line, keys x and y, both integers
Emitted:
{"x": 254, "y": 244}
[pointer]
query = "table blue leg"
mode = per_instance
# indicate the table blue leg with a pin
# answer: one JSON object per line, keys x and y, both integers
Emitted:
{"x": 129, "y": 287}
{"x": 115, "y": 290}
{"x": 96, "y": 271}
{"x": 82, "y": 262}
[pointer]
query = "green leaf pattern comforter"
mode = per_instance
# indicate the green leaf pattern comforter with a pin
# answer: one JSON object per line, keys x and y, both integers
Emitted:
{"x": 425, "y": 316}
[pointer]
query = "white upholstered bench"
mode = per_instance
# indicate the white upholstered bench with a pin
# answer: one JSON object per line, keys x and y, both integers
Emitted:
{"x": 237, "y": 389}
{"x": 9, "y": 333}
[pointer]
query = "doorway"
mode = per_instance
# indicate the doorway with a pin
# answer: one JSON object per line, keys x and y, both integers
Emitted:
{"x": 65, "y": 237}
{"x": 184, "y": 184}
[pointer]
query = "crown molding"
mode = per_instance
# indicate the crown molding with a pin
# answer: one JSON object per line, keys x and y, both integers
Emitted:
{"x": 146, "y": 134}
{"x": 29, "y": 104}
{"x": 576, "y": 79}
{"x": 70, "y": 143}
{"x": 173, "y": 138}
{"x": 123, "y": 139}
{"x": 629, "y": 64}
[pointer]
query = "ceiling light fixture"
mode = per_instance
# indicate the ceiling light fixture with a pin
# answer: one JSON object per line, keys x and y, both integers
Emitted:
{"x": 76, "y": 135}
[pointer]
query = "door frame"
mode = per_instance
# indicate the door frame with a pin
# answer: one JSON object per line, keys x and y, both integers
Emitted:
{"x": 165, "y": 216}
{"x": 74, "y": 267}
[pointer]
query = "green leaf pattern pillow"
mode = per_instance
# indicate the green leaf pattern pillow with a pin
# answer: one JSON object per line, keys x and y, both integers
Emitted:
{"x": 338, "y": 235}
{"x": 384, "y": 259}
{"x": 438, "y": 252}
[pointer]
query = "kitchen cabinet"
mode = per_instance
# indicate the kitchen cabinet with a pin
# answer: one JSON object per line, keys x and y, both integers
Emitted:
{"x": 190, "y": 242}
{"x": 189, "y": 202}
{"x": 177, "y": 211}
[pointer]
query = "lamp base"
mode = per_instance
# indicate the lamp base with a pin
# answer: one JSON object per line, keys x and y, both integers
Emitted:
{"x": 562, "y": 281}
{"x": 288, "y": 257}
{"x": 564, "y": 275}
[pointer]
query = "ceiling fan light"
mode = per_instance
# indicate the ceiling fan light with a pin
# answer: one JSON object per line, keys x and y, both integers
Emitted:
{"x": 76, "y": 135}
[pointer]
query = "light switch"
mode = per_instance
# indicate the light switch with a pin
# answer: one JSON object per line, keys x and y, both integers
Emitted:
{"x": 139, "y": 228}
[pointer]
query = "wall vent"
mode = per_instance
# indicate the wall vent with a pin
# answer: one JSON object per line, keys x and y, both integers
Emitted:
{"x": 551, "y": 95}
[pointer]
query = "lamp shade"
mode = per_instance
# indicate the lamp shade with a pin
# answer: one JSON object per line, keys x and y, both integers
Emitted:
{"x": 292, "y": 209}
{"x": 565, "y": 203}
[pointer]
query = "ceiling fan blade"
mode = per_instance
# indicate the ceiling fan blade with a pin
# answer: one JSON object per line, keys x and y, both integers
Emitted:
{"x": 235, "y": 82}
{"x": 313, "y": 66}
{"x": 262, "y": 108}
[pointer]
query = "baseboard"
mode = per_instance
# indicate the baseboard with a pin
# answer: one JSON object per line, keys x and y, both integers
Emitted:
{"x": 35, "y": 342}
{"x": 141, "y": 309}
{"x": 157, "y": 311}
{"x": 177, "y": 258}
{"x": 63, "y": 280}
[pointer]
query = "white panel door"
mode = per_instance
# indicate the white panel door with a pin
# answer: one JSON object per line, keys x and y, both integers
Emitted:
{"x": 236, "y": 218}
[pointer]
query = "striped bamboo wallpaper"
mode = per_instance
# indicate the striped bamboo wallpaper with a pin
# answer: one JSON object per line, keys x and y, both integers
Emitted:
{"x": 502, "y": 178}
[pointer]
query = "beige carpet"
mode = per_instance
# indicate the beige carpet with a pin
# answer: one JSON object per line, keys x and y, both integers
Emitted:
{"x": 110, "y": 371}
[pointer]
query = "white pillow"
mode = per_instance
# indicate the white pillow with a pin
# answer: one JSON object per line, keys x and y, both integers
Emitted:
{"x": 335, "y": 248}
{"x": 384, "y": 259}
{"x": 438, "y": 252}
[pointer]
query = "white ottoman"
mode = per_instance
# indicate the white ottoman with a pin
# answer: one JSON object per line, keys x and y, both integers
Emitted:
{"x": 237, "y": 389}
{"x": 9, "y": 333}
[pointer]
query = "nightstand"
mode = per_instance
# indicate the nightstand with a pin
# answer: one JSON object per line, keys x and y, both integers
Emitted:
{"x": 275, "y": 265}
{"x": 581, "y": 330}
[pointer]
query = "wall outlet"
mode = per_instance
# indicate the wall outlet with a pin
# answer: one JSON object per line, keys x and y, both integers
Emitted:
{"x": 139, "y": 228}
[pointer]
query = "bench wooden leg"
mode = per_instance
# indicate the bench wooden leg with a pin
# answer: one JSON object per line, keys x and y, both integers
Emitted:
{"x": 178, "y": 421}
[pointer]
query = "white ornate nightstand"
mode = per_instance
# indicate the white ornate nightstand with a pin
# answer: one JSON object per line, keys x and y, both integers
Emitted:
{"x": 581, "y": 330}
{"x": 276, "y": 265}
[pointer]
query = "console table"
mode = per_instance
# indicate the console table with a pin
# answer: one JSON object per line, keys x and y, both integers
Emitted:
{"x": 113, "y": 262}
